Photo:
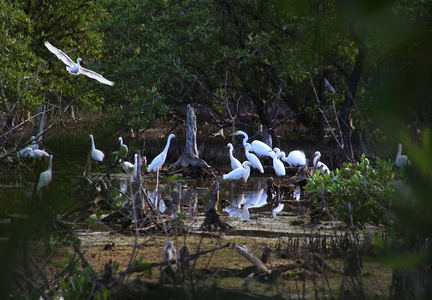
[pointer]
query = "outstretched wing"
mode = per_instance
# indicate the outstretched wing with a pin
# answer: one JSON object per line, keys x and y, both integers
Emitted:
{"x": 94, "y": 75}
{"x": 60, "y": 54}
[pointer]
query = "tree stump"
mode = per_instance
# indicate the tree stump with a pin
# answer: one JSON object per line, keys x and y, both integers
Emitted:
{"x": 212, "y": 217}
{"x": 190, "y": 162}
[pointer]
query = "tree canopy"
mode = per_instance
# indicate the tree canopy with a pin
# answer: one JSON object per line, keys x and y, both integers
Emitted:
{"x": 324, "y": 64}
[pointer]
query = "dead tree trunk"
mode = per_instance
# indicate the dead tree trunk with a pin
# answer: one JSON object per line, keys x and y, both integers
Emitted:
{"x": 212, "y": 218}
{"x": 190, "y": 158}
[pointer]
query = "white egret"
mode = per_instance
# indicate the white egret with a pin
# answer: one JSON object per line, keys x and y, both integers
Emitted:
{"x": 401, "y": 160}
{"x": 25, "y": 151}
{"x": 95, "y": 153}
{"x": 322, "y": 167}
{"x": 295, "y": 158}
{"x": 37, "y": 153}
{"x": 130, "y": 168}
{"x": 242, "y": 172}
{"x": 278, "y": 165}
{"x": 123, "y": 150}
{"x": 46, "y": 176}
{"x": 75, "y": 68}
{"x": 235, "y": 163}
{"x": 159, "y": 160}
{"x": 253, "y": 159}
{"x": 257, "y": 146}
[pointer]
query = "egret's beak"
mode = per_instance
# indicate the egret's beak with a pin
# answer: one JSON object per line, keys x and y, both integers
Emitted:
{"x": 231, "y": 134}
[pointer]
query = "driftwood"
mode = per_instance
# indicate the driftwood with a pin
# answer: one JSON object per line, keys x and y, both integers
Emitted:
{"x": 260, "y": 266}
{"x": 190, "y": 162}
{"x": 212, "y": 217}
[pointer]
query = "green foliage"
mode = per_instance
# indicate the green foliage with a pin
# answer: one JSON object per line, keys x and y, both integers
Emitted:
{"x": 366, "y": 188}
{"x": 80, "y": 283}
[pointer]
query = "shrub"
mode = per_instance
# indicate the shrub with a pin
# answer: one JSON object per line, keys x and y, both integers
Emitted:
{"x": 359, "y": 189}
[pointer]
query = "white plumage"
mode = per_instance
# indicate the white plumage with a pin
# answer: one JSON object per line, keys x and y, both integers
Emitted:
{"x": 75, "y": 68}
{"x": 254, "y": 160}
{"x": 242, "y": 172}
{"x": 95, "y": 153}
{"x": 278, "y": 165}
{"x": 322, "y": 167}
{"x": 257, "y": 146}
{"x": 159, "y": 160}
{"x": 235, "y": 163}
{"x": 295, "y": 158}
{"x": 46, "y": 176}
{"x": 401, "y": 160}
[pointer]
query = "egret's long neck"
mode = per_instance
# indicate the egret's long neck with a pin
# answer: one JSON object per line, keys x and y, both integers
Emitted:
{"x": 167, "y": 145}
{"x": 399, "y": 153}
{"x": 50, "y": 163}
{"x": 315, "y": 160}
{"x": 93, "y": 144}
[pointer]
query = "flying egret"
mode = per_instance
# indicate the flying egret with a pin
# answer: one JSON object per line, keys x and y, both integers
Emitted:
{"x": 235, "y": 163}
{"x": 159, "y": 160}
{"x": 257, "y": 146}
{"x": 255, "y": 162}
{"x": 95, "y": 153}
{"x": 75, "y": 68}
{"x": 26, "y": 151}
{"x": 278, "y": 165}
{"x": 401, "y": 160}
{"x": 322, "y": 167}
{"x": 37, "y": 153}
{"x": 295, "y": 158}
{"x": 46, "y": 176}
{"x": 242, "y": 172}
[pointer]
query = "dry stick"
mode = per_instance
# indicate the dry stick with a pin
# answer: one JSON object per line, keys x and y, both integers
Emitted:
{"x": 341, "y": 145}
{"x": 173, "y": 261}
{"x": 252, "y": 258}
{"x": 42, "y": 132}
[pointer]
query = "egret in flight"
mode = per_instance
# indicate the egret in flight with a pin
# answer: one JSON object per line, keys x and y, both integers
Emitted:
{"x": 46, "y": 176}
{"x": 95, "y": 153}
{"x": 75, "y": 68}
{"x": 257, "y": 146}
{"x": 235, "y": 163}
{"x": 322, "y": 167}
{"x": 295, "y": 158}
{"x": 242, "y": 172}
{"x": 159, "y": 160}
{"x": 401, "y": 160}
{"x": 253, "y": 159}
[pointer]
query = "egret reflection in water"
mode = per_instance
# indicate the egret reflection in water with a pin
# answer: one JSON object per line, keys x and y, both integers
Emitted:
{"x": 243, "y": 201}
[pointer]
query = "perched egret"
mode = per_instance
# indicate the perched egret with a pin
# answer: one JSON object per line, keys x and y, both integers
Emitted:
{"x": 257, "y": 146}
{"x": 26, "y": 151}
{"x": 295, "y": 158}
{"x": 37, "y": 153}
{"x": 242, "y": 172}
{"x": 322, "y": 167}
{"x": 123, "y": 150}
{"x": 401, "y": 160}
{"x": 46, "y": 176}
{"x": 235, "y": 163}
{"x": 130, "y": 168}
{"x": 253, "y": 159}
{"x": 278, "y": 165}
{"x": 75, "y": 68}
{"x": 159, "y": 160}
{"x": 95, "y": 153}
